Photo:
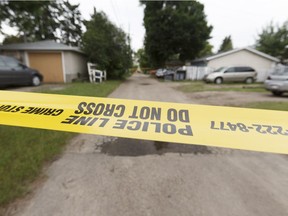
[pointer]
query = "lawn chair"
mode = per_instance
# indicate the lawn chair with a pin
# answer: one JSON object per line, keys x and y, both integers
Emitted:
{"x": 96, "y": 76}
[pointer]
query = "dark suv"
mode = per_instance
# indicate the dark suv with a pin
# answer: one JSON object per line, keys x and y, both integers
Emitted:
{"x": 12, "y": 72}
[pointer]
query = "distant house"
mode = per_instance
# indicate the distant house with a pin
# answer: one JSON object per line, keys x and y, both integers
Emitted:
{"x": 247, "y": 56}
{"x": 58, "y": 63}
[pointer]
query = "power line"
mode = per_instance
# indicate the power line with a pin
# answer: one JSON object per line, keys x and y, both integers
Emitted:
{"x": 115, "y": 14}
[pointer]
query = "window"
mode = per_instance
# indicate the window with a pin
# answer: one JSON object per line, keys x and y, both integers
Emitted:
{"x": 280, "y": 71}
{"x": 247, "y": 69}
{"x": 219, "y": 69}
{"x": 3, "y": 66}
{"x": 244, "y": 69}
{"x": 230, "y": 70}
{"x": 11, "y": 63}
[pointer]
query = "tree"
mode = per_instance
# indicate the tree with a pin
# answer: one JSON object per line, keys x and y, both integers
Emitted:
{"x": 10, "y": 39}
{"x": 2, "y": 14}
{"x": 70, "y": 24}
{"x": 226, "y": 44}
{"x": 33, "y": 20}
{"x": 174, "y": 28}
{"x": 273, "y": 40}
{"x": 42, "y": 20}
{"x": 206, "y": 51}
{"x": 107, "y": 45}
{"x": 143, "y": 58}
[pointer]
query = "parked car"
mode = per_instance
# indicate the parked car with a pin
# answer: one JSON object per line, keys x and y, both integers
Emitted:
{"x": 277, "y": 81}
{"x": 169, "y": 74}
{"x": 160, "y": 72}
{"x": 12, "y": 72}
{"x": 232, "y": 74}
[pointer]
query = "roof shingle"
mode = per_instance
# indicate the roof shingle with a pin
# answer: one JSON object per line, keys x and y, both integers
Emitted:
{"x": 47, "y": 45}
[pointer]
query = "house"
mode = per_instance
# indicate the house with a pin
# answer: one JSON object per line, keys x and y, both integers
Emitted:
{"x": 246, "y": 56}
{"x": 57, "y": 62}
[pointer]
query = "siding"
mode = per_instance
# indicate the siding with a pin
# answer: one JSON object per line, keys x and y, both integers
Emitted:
{"x": 74, "y": 64}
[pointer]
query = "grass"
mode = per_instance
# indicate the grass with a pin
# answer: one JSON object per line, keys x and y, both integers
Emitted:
{"x": 201, "y": 86}
{"x": 86, "y": 89}
{"x": 280, "y": 106}
{"x": 24, "y": 151}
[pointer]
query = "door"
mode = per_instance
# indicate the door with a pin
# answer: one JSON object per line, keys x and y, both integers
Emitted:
{"x": 48, "y": 64}
{"x": 229, "y": 74}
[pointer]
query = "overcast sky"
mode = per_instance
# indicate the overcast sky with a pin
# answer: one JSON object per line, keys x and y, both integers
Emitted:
{"x": 242, "y": 19}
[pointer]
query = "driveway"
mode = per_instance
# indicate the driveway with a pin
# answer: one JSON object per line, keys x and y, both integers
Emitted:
{"x": 109, "y": 176}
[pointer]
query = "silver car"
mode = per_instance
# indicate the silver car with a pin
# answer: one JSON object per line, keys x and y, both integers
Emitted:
{"x": 232, "y": 74}
{"x": 277, "y": 82}
{"x": 160, "y": 72}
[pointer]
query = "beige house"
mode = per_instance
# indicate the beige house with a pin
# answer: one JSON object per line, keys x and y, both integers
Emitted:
{"x": 58, "y": 63}
{"x": 247, "y": 56}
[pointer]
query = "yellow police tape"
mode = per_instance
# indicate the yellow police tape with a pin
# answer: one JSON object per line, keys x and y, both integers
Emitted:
{"x": 239, "y": 128}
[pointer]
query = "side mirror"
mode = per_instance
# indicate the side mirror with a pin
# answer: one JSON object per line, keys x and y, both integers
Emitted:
{"x": 23, "y": 66}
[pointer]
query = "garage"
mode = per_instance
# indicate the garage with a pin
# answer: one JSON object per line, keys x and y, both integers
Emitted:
{"x": 247, "y": 56}
{"x": 57, "y": 62}
{"x": 48, "y": 64}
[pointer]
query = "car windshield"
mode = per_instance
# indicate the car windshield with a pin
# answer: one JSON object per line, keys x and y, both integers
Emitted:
{"x": 219, "y": 69}
{"x": 280, "y": 71}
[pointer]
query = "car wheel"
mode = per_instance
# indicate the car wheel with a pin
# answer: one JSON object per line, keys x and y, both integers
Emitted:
{"x": 249, "y": 80}
{"x": 218, "y": 80}
{"x": 36, "y": 81}
{"x": 277, "y": 93}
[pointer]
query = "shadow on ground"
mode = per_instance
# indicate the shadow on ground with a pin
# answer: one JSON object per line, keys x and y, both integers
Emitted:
{"x": 132, "y": 147}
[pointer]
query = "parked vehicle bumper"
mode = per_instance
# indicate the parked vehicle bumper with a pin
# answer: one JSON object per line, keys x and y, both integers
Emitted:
{"x": 209, "y": 79}
{"x": 275, "y": 85}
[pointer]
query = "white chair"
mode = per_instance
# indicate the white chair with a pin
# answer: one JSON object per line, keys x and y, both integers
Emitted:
{"x": 95, "y": 76}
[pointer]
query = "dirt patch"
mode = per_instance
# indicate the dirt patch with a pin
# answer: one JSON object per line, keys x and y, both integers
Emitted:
{"x": 132, "y": 147}
{"x": 231, "y": 98}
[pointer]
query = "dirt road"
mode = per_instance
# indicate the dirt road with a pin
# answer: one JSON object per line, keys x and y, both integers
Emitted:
{"x": 107, "y": 176}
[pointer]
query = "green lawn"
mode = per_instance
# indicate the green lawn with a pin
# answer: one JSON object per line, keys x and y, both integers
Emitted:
{"x": 281, "y": 106}
{"x": 23, "y": 151}
{"x": 200, "y": 86}
{"x": 87, "y": 89}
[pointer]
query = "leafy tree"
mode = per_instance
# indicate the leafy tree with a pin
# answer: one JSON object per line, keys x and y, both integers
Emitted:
{"x": 3, "y": 13}
{"x": 70, "y": 24}
{"x": 10, "y": 39}
{"x": 107, "y": 45}
{"x": 42, "y": 20}
{"x": 226, "y": 44}
{"x": 33, "y": 20}
{"x": 206, "y": 51}
{"x": 143, "y": 58}
{"x": 273, "y": 40}
{"x": 174, "y": 28}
